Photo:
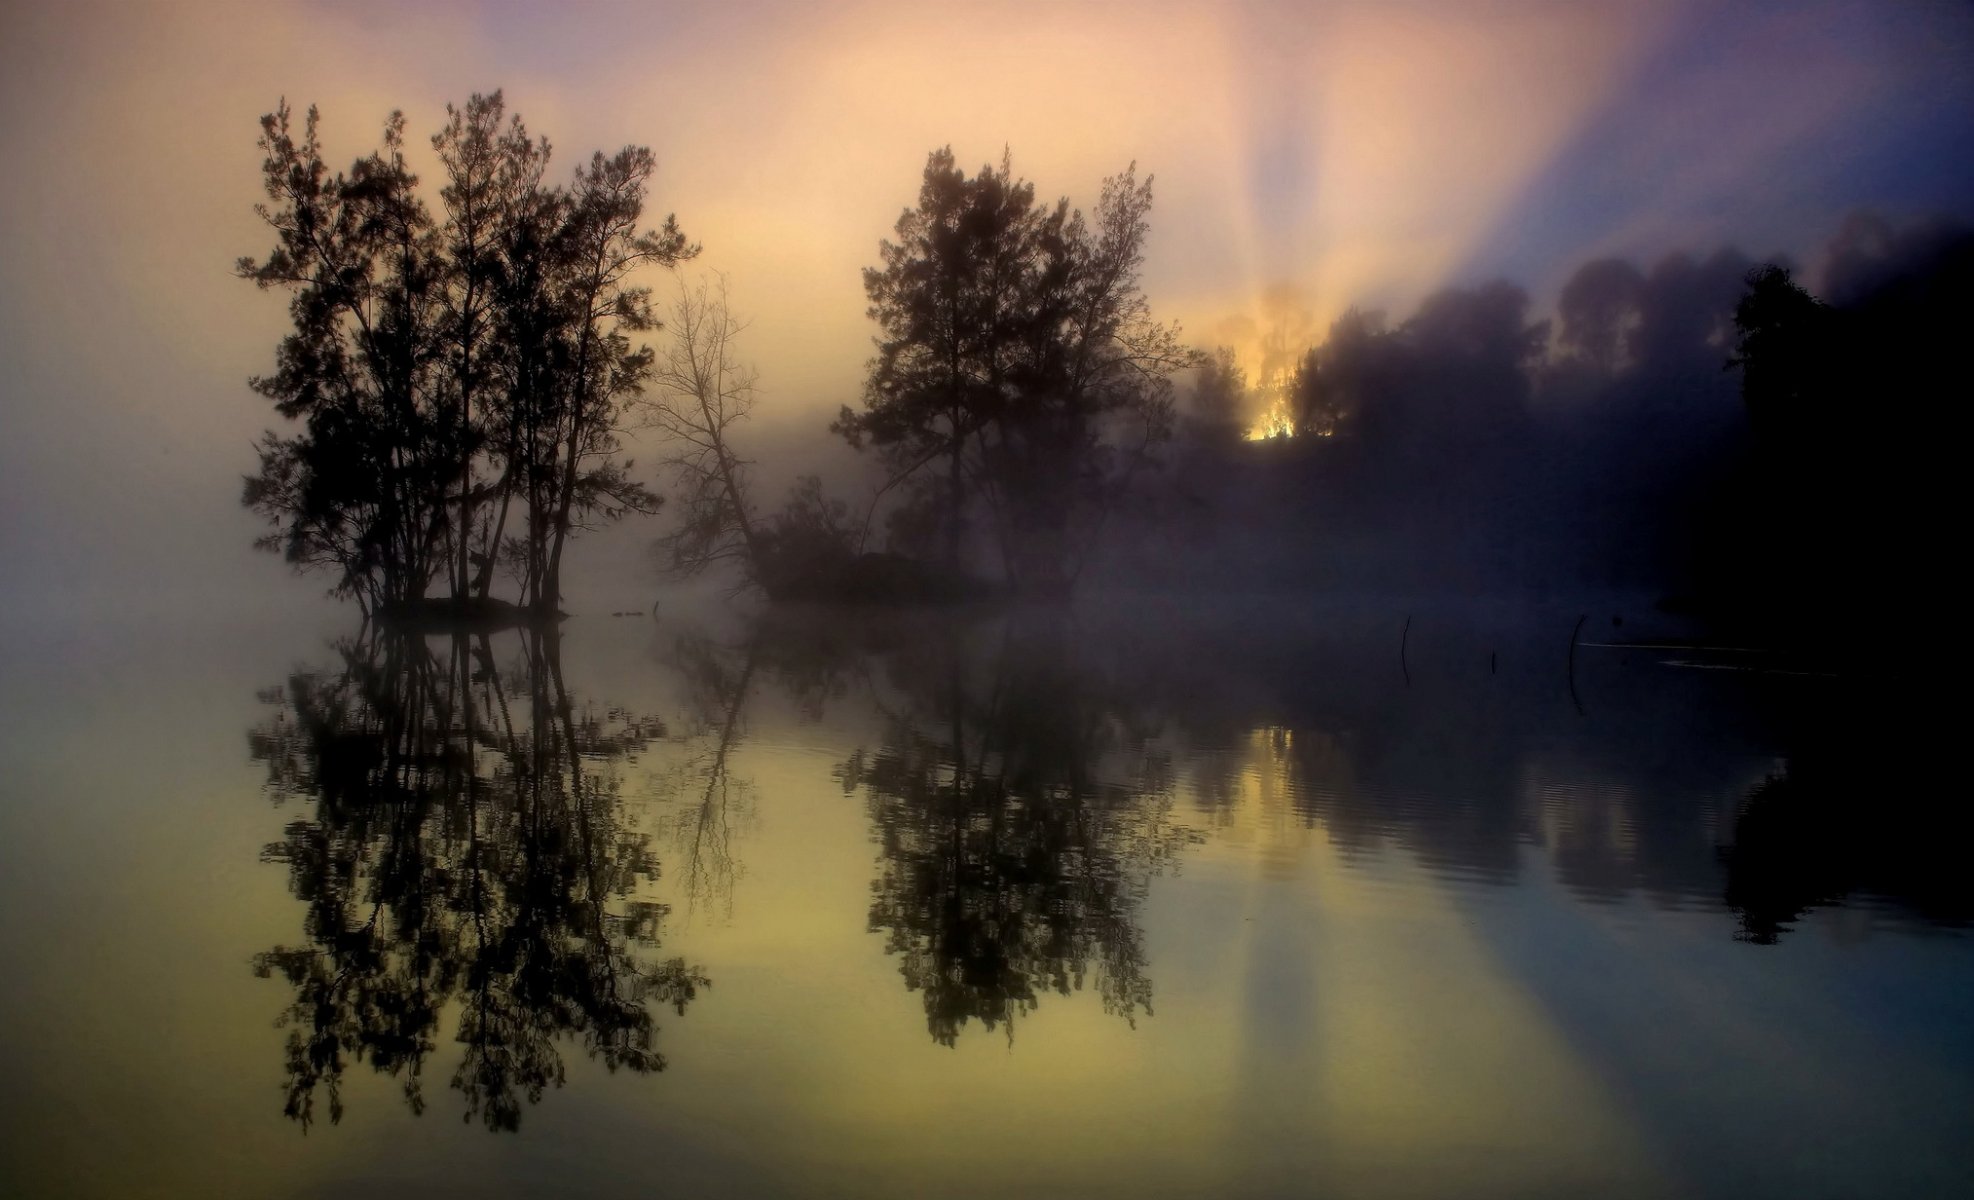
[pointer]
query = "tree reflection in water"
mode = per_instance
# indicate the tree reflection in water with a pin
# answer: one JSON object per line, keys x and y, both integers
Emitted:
{"x": 1020, "y": 813}
{"x": 463, "y": 845}
{"x": 712, "y": 801}
{"x": 1846, "y": 822}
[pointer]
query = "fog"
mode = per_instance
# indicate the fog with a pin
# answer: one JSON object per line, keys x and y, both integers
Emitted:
{"x": 1307, "y": 160}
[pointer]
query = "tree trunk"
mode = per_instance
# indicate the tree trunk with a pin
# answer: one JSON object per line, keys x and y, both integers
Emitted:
{"x": 955, "y": 499}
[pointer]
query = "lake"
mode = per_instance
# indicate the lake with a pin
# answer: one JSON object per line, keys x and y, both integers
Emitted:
{"x": 1146, "y": 898}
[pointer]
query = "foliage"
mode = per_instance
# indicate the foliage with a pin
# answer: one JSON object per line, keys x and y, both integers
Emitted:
{"x": 1018, "y": 357}
{"x": 445, "y": 370}
{"x": 810, "y": 541}
{"x": 362, "y": 488}
{"x": 1216, "y": 401}
{"x": 1850, "y": 497}
{"x": 1783, "y": 346}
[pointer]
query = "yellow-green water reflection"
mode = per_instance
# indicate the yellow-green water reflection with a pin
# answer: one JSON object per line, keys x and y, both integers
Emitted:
{"x": 1107, "y": 903}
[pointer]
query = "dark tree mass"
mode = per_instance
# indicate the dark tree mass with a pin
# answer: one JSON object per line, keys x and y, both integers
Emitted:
{"x": 1019, "y": 372}
{"x": 1704, "y": 431}
{"x": 460, "y": 378}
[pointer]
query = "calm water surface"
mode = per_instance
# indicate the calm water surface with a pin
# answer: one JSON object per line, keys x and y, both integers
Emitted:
{"x": 1135, "y": 900}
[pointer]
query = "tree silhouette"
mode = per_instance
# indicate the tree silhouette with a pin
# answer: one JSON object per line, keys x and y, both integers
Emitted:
{"x": 1599, "y": 312}
{"x": 1338, "y": 379}
{"x": 1784, "y": 349}
{"x": 703, "y": 392}
{"x": 1017, "y": 357}
{"x": 443, "y": 367}
{"x": 362, "y": 489}
{"x": 1850, "y": 495}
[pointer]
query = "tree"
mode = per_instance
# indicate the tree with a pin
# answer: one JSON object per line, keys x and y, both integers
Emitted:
{"x": 600, "y": 246}
{"x": 1217, "y": 400}
{"x": 1094, "y": 391}
{"x": 1686, "y": 310}
{"x": 1336, "y": 379}
{"x": 702, "y": 392}
{"x": 1600, "y": 308}
{"x": 1016, "y": 348}
{"x": 1784, "y": 348}
{"x": 361, "y": 490}
{"x": 441, "y": 367}
{"x": 1852, "y": 491}
{"x": 947, "y": 308}
{"x": 1458, "y": 372}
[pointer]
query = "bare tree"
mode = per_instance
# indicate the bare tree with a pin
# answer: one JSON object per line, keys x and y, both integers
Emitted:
{"x": 701, "y": 391}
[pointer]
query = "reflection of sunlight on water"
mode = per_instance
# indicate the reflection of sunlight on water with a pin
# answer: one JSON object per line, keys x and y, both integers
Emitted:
{"x": 1274, "y": 792}
{"x": 1276, "y": 771}
{"x": 1377, "y": 1027}
{"x": 1569, "y": 813}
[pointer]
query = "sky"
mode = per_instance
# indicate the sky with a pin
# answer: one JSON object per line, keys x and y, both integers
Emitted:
{"x": 1307, "y": 157}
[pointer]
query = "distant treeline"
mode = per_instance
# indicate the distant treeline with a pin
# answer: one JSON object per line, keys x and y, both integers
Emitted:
{"x": 1705, "y": 429}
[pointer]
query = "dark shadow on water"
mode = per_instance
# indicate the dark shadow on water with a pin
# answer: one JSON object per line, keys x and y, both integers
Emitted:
{"x": 460, "y": 847}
